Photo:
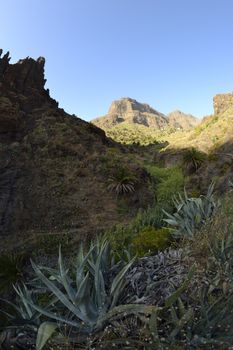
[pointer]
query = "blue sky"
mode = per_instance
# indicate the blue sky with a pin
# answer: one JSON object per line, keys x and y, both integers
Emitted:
{"x": 172, "y": 54}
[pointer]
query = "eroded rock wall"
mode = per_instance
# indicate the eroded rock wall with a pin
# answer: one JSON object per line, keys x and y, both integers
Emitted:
{"x": 222, "y": 102}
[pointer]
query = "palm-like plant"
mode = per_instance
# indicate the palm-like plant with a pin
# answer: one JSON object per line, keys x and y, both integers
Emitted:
{"x": 11, "y": 269}
{"x": 122, "y": 182}
{"x": 193, "y": 159}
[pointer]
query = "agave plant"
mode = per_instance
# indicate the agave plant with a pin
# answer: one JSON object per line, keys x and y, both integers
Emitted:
{"x": 190, "y": 213}
{"x": 122, "y": 182}
{"x": 85, "y": 299}
{"x": 23, "y": 321}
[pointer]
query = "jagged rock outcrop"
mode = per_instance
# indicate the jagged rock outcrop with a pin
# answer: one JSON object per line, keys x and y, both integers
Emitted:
{"x": 54, "y": 167}
{"x": 130, "y": 111}
{"x": 180, "y": 120}
{"x": 222, "y": 102}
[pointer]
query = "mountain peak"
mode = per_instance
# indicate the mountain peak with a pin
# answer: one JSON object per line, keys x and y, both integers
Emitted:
{"x": 130, "y": 111}
{"x": 23, "y": 75}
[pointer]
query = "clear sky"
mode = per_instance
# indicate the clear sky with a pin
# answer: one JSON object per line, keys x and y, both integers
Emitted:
{"x": 172, "y": 54}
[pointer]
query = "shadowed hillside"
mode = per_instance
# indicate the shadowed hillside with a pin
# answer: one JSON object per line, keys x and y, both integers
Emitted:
{"x": 54, "y": 167}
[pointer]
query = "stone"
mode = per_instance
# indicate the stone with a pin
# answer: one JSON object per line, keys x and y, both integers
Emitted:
{"x": 222, "y": 102}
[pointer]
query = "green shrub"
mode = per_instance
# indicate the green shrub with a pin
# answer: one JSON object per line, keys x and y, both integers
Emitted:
{"x": 151, "y": 240}
{"x": 152, "y": 216}
{"x": 169, "y": 181}
{"x": 121, "y": 236}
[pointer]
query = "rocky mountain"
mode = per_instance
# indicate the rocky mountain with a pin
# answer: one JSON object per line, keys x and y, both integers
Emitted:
{"x": 130, "y": 111}
{"x": 222, "y": 102}
{"x": 180, "y": 120}
{"x": 54, "y": 167}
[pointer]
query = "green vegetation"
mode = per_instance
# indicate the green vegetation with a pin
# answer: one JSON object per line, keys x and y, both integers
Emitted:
{"x": 191, "y": 213}
{"x": 133, "y": 134}
{"x": 11, "y": 269}
{"x": 83, "y": 299}
{"x": 137, "y": 134}
{"x": 150, "y": 241}
{"x": 193, "y": 159}
{"x": 168, "y": 182}
{"x": 165, "y": 183}
{"x": 89, "y": 305}
{"x": 122, "y": 182}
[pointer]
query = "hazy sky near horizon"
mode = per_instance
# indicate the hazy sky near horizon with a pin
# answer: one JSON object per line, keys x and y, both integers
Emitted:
{"x": 172, "y": 54}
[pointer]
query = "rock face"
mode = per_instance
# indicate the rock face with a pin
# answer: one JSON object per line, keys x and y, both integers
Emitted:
{"x": 52, "y": 176}
{"x": 180, "y": 120}
{"x": 222, "y": 102}
{"x": 130, "y": 111}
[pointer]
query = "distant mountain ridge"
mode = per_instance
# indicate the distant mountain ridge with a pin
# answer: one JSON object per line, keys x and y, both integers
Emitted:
{"x": 130, "y": 111}
{"x": 181, "y": 120}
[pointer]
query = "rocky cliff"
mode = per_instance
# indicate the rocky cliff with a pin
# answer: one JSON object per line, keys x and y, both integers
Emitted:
{"x": 180, "y": 120}
{"x": 54, "y": 167}
{"x": 130, "y": 111}
{"x": 222, "y": 102}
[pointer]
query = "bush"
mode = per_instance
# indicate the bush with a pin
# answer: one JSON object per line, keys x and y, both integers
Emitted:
{"x": 151, "y": 240}
{"x": 169, "y": 181}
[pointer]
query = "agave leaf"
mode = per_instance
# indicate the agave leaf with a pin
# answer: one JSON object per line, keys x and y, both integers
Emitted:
{"x": 124, "y": 310}
{"x": 3, "y": 336}
{"x": 59, "y": 294}
{"x": 53, "y": 316}
{"x": 99, "y": 280}
{"x": 11, "y": 304}
{"x": 45, "y": 332}
{"x": 153, "y": 327}
{"x": 182, "y": 322}
{"x": 9, "y": 316}
{"x": 24, "y": 299}
{"x": 174, "y": 316}
{"x": 174, "y": 297}
{"x": 181, "y": 306}
{"x": 82, "y": 290}
{"x": 81, "y": 262}
{"x": 84, "y": 300}
{"x": 118, "y": 282}
{"x": 64, "y": 278}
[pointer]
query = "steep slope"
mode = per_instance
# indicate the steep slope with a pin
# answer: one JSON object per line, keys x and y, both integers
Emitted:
{"x": 54, "y": 168}
{"x": 210, "y": 134}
